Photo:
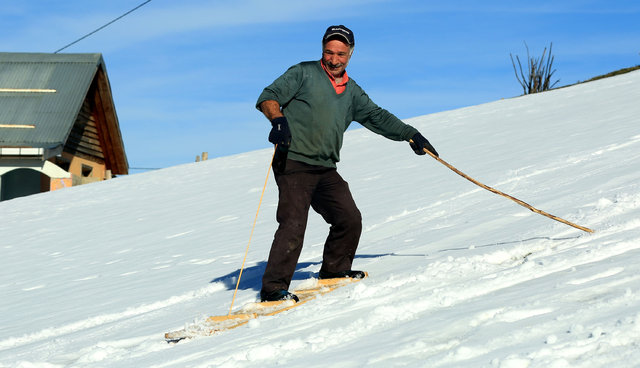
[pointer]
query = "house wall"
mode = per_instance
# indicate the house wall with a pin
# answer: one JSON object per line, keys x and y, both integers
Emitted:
{"x": 82, "y": 171}
{"x": 78, "y": 164}
{"x": 28, "y": 175}
{"x": 19, "y": 178}
{"x": 60, "y": 183}
{"x": 22, "y": 182}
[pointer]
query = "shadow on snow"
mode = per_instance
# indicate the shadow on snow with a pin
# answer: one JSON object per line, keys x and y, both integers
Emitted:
{"x": 252, "y": 276}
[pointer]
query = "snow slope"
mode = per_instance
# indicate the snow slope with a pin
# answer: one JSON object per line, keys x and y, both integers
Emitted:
{"x": 93, "y": 276}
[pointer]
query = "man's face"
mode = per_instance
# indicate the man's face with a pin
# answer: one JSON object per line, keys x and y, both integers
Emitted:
{"x": 336, "y": 55}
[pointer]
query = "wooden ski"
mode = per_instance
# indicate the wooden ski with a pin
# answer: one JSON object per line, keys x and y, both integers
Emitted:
{"x": 216, "y": 324}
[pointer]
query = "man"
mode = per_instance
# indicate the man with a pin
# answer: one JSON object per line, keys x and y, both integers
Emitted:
{"x": 310, "y": 106}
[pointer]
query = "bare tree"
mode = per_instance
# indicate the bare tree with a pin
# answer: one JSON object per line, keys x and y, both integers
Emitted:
{"x": 538, "y": 74}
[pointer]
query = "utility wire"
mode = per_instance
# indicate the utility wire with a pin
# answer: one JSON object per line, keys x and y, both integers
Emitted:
{"x": 104, "y": 26}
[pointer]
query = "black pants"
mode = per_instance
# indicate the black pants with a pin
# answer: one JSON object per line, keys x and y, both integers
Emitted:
{"x": 302, "y": 186}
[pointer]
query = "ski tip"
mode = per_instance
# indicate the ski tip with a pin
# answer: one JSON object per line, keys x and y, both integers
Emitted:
{"x": 174, "y": 338}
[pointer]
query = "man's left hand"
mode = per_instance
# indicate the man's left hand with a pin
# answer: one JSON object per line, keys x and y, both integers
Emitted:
{"x": 280, "y": 133}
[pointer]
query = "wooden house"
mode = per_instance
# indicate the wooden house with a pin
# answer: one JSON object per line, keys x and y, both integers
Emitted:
{"x": 58, "y": 123}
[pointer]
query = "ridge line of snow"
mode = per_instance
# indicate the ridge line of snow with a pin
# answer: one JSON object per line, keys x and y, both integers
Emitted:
{"x": 108, "y": 318}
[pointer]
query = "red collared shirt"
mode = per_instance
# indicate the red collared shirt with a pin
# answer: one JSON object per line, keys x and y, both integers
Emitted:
{"x": 339, "y": 87}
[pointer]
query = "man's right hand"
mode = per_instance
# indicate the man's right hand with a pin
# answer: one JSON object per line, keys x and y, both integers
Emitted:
{"x": 419, "y": 143}
{"x": 280, "y": 133}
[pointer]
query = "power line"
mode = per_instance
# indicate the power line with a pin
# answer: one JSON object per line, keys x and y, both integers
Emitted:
{"x": 104, "y": 26}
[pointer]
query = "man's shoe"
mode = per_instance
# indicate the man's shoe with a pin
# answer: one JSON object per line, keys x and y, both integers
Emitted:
{"x": 339, "y": 275}
{"x": 277, "y": 296}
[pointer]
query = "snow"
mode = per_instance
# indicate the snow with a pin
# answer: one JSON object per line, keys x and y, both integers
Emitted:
{"x": 93, "y": 276}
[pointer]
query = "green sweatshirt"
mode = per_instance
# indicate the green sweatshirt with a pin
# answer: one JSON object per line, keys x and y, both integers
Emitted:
{"x": 318, "y": 116}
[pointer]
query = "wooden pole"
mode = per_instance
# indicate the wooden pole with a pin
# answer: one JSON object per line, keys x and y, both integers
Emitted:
{"x": 493, "y": 190}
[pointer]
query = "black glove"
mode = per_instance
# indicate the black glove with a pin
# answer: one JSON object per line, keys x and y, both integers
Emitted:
{"x": 419, "y": 143}
{"x": 280, "y": 133}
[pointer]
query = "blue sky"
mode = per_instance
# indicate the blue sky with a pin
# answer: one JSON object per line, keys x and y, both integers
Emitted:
{"x": 185, "y": 74}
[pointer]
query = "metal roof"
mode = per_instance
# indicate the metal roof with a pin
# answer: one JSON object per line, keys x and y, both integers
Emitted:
{"x": 41, "y": 96}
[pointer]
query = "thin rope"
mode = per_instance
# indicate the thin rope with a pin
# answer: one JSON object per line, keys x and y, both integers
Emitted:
{"x": 103, "y": 27}
{"x": 252, "y": 228}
